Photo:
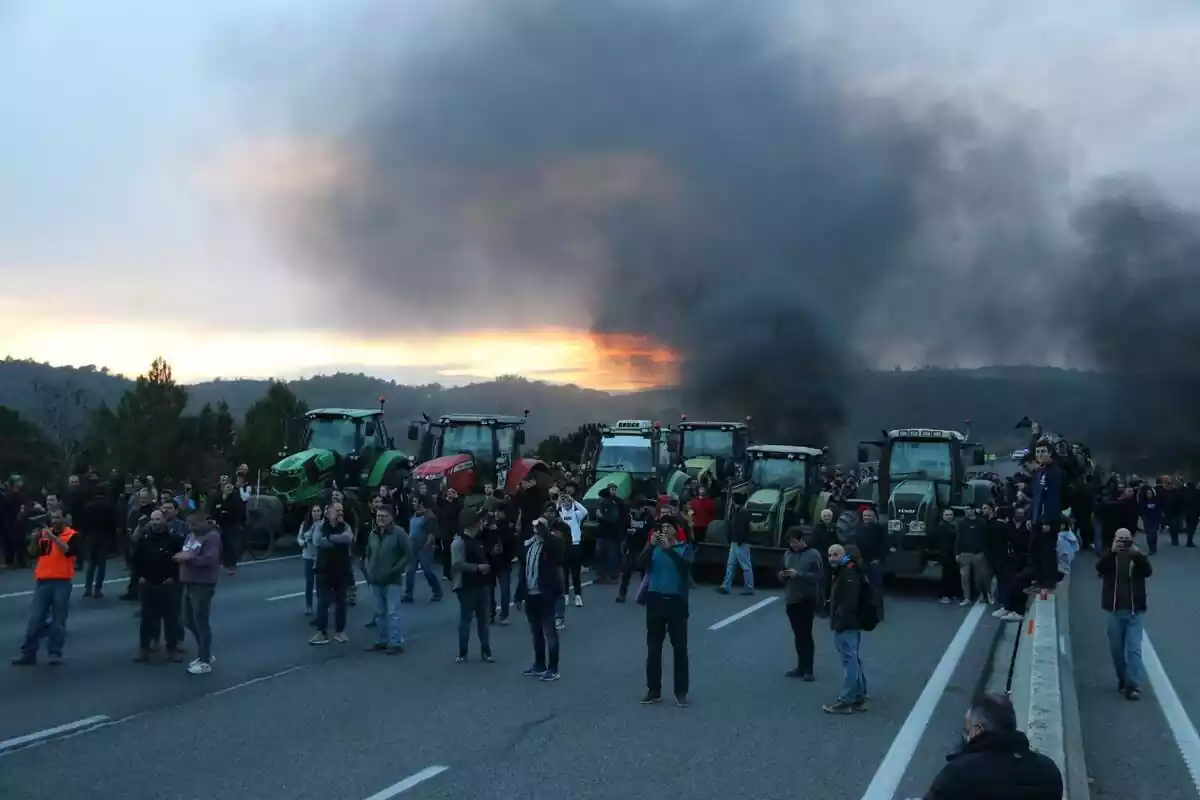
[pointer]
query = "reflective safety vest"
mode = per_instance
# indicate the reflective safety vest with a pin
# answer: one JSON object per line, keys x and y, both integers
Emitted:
{"x": 52, "y": 563}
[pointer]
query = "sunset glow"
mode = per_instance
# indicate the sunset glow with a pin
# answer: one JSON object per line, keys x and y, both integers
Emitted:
{"x": 617, "y": 363}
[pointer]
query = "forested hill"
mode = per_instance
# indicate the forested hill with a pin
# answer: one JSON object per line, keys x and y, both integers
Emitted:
{"x": 1076, "y": 403}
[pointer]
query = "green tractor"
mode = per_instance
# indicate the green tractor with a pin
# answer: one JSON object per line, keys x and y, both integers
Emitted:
{"x": 782, "y": 488}
{"x": 349, "y": 447}
{"x": 711, "y": 453}
{"x": 921, "y": 473}
{"x": 632, "y": 455}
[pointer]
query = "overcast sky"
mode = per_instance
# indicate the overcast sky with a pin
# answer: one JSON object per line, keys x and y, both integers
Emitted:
{"x": 135, "y": 151}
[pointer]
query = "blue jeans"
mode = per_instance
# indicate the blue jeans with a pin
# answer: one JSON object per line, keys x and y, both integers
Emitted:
{"x": 739, "y": 556}
{"x": 608, "y": 558}
{"x": 51, "y": 599}
{"x": 854, "y": 686}
{"x": 388, "y": 627}
{"x": 503, "y": 577}
{"x": 310, "y": 581}
{"x": 423, "y": 557}
{"x": 1125, "y": 643}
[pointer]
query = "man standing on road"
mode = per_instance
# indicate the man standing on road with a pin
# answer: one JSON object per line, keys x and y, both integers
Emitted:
{"x": 739, "y": 553}
{"x": 199, "y": 563}
{"x": 539, "y": 587}
{"x": 636, "y": 535}
{"x": 1123, "y": 572}
{"x": 387, "y": 555}
{"x": 669, "y": 564}
{"x": 970, "y": 550}
{"x": 802, "y": 577}
{"x": 995, "y": 759}
{"x": 471, "y": 572}
{"x": 98, "y": 525}
{"x": 423, "y": 537}
{"x": 55, "y": 550}
{"x": 137, "y": 516}
{"x": 501, "y": 545}
{"x": 158, "y": 574}
{"x": 845, "y": 601}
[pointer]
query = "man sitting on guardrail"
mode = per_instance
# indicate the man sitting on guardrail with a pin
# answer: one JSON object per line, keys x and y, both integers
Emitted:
{"x": 1123, "y": 571}
{"x": 995, "y": 759}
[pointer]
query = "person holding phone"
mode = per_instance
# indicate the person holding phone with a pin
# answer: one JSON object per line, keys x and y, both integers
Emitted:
{"x": 1123, "y": 571}
{"x": 669, "y": 563}
{"x": 55, "y": 548}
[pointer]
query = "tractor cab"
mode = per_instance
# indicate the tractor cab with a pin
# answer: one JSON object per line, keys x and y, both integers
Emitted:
{"x": 465, "y": 452}
{"x": 631, "y": 456}
{"x": 710, "y": 453}
{"x": 921, "y": 473}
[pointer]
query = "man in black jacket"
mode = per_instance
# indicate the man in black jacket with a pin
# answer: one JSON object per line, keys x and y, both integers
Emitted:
{"x": 1123, "y": 572}
{"x": 995, "y": 762}
{"x": 539, "y": 587}
{"x": 154, "y": 559}
{"x": 844, "y": 606}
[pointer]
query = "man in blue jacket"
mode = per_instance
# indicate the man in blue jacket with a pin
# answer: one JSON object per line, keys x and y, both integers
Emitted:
{"x": 668, "y": 561}
{"x": 1046, "y": 518}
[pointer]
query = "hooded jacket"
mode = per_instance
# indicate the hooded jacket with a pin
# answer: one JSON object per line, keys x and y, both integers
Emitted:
{"x": 844, "y": 597}
{"x": 1123, "y": 581}
{"x": 154, "y": 556}
{"x": 997, "y": 766}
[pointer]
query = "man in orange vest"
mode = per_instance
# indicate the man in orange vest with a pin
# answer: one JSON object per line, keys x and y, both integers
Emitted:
{"x": 55, "y": 549}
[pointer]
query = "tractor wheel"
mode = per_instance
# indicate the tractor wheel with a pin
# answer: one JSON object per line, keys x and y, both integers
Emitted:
{"x": 717, "y": 533}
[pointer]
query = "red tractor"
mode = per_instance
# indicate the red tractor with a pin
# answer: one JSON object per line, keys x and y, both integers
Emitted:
{"x": 467, "y": 451}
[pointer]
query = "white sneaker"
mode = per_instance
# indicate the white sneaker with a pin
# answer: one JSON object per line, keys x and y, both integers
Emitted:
{"x": 200, "y": 668}
{"x": 1012, "y": 616}
{"x": 998, "y": 613}
{"x": 945, "y": 600}
{"x": 579, "y": 601}
{"x": 964, "y": 603}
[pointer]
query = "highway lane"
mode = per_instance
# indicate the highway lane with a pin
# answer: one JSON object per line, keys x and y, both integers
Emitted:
{"x": 1131, "y": 749}
{"x": 336, "y": 722}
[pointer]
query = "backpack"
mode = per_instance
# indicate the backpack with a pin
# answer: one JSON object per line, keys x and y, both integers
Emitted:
{"x": 868, "y": 607}
{"x": 608, "y": 512}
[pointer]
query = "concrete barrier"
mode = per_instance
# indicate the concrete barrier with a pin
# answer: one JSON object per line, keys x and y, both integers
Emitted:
{"x": 1033, "y": 664}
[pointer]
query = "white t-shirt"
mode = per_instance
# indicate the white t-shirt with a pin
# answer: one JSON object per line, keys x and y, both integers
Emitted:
{"x": 574, "y": 517}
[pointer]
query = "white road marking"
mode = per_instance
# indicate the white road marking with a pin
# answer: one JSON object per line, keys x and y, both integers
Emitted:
{"x": 301, "y": 594}
{"x": 30, "y": 738}
{"x": 408, "y": 783}
{"x": 891, "y": 771}
{"x": 745, "y": 612}
{"x": 125, "y": 579}
{"x": 253, "y": 681}
{"x": 1180, "y": 724}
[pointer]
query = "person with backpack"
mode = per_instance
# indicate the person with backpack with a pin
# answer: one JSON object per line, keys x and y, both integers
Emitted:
{"x": 668, "y": 562}
{"x": 851, "y": 611}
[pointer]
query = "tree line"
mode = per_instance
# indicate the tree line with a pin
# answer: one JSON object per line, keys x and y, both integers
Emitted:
{"x": 149, "y": 432}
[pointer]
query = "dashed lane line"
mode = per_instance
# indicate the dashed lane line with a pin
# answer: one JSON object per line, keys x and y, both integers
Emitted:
{"x": 408, "y": 783}
{"x": 29, "y": 739}
{"x": 745, "y": 612}
{"x": 125, "y": 579}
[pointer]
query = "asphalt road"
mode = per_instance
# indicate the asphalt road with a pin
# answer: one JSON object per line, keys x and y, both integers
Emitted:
{"x": 280, "y": 719}
{"x": 1132, "y": 749}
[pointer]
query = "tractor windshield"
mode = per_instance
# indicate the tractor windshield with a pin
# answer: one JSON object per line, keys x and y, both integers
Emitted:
{"x": 927, "y": 460}
{"x": 777, "y": 472}
{"x": 616, "y": 457}
{"x": 707, "y": 442}
{"x": 473, "y": 439}
{"x": 342, "y": 436}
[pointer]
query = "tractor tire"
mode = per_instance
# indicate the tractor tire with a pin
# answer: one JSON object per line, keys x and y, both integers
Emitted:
{"x": 717, "y": 533}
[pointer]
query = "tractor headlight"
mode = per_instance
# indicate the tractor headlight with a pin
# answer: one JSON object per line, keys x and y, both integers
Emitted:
{"x": 916, "y": 527}
{"x": 895, "y": 525}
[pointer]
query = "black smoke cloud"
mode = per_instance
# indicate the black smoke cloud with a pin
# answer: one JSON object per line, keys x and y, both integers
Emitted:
{"x": 687, "y": 173}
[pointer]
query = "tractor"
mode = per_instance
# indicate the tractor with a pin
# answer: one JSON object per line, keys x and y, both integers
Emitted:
{"x": 921, "y": 473}
{"x": 466, "y": 452}
{"x": 344, "y": 447}
{"x": 632, "y": 455}
{"x": 711, "y": 453}
{"x": 782, "y": 489}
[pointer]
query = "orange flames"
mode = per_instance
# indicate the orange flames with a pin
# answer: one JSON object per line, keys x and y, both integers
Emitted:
{"x": 641, "y": 362}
